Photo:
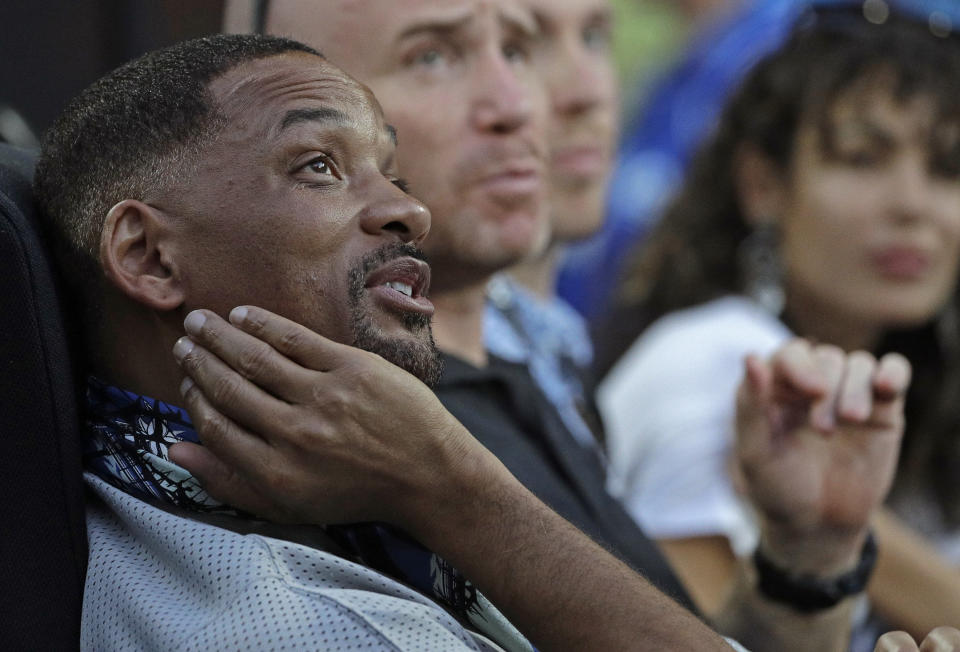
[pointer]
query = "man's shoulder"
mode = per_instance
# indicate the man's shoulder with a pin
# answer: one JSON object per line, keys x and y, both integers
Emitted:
{"x": 157, "y": 579}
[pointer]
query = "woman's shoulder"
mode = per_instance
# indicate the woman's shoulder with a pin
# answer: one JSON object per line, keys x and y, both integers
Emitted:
{"x": 706, "y": 339}
{"x": 729, "y": 318}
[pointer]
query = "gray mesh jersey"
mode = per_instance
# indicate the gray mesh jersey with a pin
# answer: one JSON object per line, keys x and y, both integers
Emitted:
{"x": 160, "y": 581}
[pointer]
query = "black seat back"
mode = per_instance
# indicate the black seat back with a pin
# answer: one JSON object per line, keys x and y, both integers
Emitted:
{"x": 43, "y": 550}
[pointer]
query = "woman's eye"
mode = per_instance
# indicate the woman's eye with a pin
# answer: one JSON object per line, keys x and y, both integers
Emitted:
{"x": 862, "y": 158}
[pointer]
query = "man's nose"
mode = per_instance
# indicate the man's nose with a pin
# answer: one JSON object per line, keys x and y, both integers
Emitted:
{"x": 396, "y": 214}
{"x": 578, "y": 82}
{"x": 503, "y": 101}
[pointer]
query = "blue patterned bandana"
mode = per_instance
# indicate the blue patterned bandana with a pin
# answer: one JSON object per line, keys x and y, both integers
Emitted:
{"x": 126, "y": 440}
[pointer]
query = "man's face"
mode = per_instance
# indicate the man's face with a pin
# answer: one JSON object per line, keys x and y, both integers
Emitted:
{"x": 574, "y": 60}
{"x": 295, "y": 207}
{"x": 454, "y": 77}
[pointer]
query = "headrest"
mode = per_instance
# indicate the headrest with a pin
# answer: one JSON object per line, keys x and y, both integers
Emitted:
{"x": 43, "y": 546}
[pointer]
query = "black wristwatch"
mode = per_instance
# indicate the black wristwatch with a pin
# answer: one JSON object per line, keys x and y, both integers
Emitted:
{"x": 808, "y": 593}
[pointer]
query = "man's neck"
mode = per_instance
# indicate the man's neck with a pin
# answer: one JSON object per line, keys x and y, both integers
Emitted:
{"x": 458, "y": 322}
{"x": 539, "y": 274}
{"x": 134, "y": 351}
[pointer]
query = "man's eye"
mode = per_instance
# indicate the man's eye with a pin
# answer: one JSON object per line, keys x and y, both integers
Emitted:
{"x": 515, "y": 52}
{"x": 320, "y": 165}
{"x": 429, "y": 58}
{"x": 597, "y": 37}
{"x": 402, "y": 184}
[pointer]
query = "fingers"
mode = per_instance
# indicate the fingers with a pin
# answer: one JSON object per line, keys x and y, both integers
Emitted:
{"x": 230, "y": 442}
{"x": 797, "y": 370}
{"x": 302, "y": 345}
{"x": 892, "y": 378}
{"x": 224, "y": 393}
{"x": 841, "y": 388}
{"x": 941, "y": 639}
{"x": 247, "y": 355}
{"x": 890, "y": 384}
{"x": 855, "y": 400}
{"x": 896, "y": 642}
{"x": 831, "y": 363}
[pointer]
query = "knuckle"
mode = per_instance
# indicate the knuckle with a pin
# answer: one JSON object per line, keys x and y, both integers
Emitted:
{"x": 225, "y": 389}
{"x": 213, "y": 426}
{"x": 862, "y": 358}
{"x": 897, "y": 359}
{"x": 212, "y": 334}
{"x": 292, "y": 339}
{"x": 255, "y": 322}
{"x": 830, "y": 353}
{"x": 332, "y": 400}
{"x": 194, "y": 361}
{"x": 253, "y": 361}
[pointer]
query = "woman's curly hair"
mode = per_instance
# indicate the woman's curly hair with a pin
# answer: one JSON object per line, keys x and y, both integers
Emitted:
{"x": 691, "y": 256}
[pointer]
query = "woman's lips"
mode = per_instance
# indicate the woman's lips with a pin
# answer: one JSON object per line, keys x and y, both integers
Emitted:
{"x": 901, "y": 263}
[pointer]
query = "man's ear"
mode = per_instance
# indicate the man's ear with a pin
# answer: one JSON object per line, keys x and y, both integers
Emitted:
{"x": 134, "y": 255}
{"x": 761, "y": 186}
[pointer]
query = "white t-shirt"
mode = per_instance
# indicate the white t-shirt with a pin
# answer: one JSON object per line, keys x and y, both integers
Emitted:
{"x": 668, "y": 407}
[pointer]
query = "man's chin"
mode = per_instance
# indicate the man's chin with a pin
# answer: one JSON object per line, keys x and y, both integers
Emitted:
{"x": 415, "y": 353}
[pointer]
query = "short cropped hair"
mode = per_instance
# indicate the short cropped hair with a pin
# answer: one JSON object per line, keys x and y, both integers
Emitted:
{"x": 134, "y": 132}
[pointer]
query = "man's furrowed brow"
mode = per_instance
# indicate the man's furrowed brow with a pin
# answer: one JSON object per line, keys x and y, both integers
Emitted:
{"x": 320, "y": 114}
{"x": 442, "y": 26}
{"x": 520, "y": 22}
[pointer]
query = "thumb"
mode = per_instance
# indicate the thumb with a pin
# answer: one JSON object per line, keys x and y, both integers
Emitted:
{"x": 219, "y": 480}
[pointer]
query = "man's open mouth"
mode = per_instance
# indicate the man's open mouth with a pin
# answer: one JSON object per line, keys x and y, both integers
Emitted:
{"x": 402, "y": 285}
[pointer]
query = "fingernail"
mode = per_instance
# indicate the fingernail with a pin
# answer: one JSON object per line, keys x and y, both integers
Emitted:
{"x": 185, "y": 385}
{"x": 238, "y": 314}
{"x": 183, "y": 346}
{"x": 194, "y": 322}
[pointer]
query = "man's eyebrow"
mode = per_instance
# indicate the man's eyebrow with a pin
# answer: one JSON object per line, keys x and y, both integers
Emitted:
{"x": 436, "y": 26}
{"x": 393, "y": 133}
{"x": 320, "y": 114}
{"x": 520, "y": 21}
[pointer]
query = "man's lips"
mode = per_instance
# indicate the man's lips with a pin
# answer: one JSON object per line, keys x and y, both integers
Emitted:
{"x": 580, "y": 160}
{"x": 512, "y": 178}
{"x": 402, "y": 284}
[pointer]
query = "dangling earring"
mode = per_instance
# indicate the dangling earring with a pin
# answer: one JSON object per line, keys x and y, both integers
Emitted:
{"x": 760, "y": 267}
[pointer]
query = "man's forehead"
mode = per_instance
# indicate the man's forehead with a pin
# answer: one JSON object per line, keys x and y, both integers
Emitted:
{"x": 261, "y": 86}
{"x": 339, "y": 28}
